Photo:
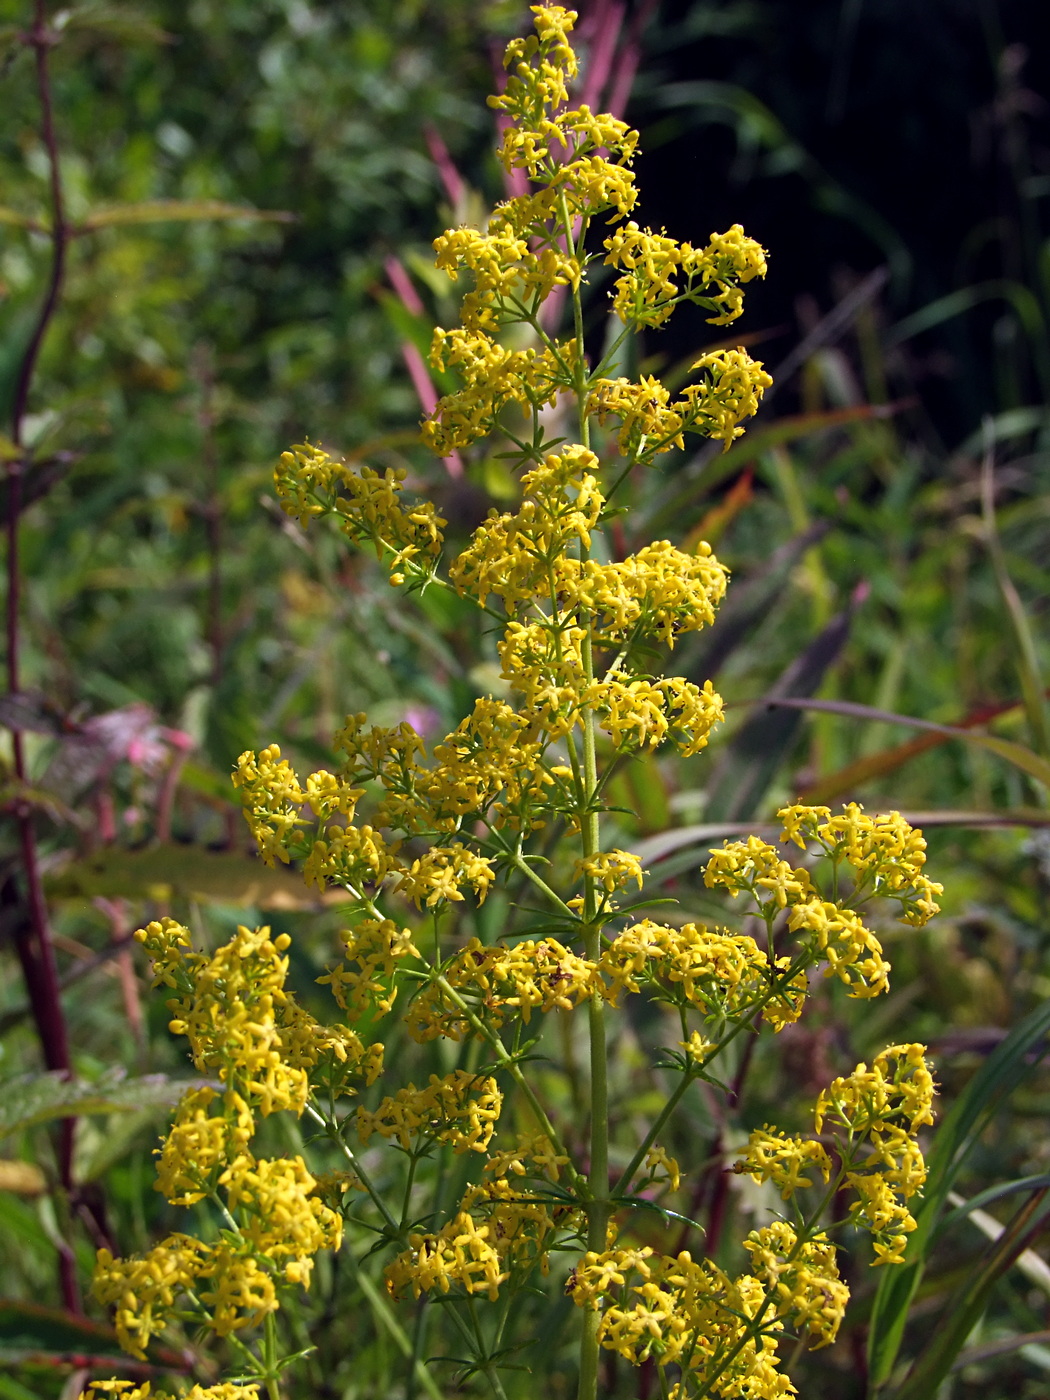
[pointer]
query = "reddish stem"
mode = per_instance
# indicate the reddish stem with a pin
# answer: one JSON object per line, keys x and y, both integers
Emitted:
{"x": 33, "y": 937}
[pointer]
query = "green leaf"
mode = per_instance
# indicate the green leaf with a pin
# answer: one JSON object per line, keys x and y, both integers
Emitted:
{"x": 956, "y": 1136}
{"x": 965, "y": 1309}
{"x": 39, "y": 1098}
{"x": 113, "y": 22}
{"x": 1018, "y": 754}
{"x": 159, "y": 211}
{"x": 220, "y": 877}
{"x": 15, "y": 219}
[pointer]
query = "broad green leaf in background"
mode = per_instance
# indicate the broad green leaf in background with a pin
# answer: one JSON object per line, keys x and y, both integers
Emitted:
{"x": 40, "y": 1098}
{"x": 225, "y": 877}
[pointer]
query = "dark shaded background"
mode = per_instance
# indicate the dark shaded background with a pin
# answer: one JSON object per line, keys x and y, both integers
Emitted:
{"x": 849, "y": 134}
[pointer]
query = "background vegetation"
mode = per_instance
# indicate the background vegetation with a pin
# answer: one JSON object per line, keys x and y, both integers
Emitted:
{"x": 885, "y": 520}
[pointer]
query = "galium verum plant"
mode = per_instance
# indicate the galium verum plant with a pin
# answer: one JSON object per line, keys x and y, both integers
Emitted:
{"x": 578, "y": 632}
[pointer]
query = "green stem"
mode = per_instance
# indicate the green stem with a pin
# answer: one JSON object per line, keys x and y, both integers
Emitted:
{"x": 384, "y": 1314}
{"x": 758, "y": 1321}
{"x": 746, "y": 1023}
{"x": 669, "y": 1107}
{"x": 273, "y": 1390}
{"x": 332, "y": 1130}
{"x": 519, "y": 863}
{"x": 599, "y": 1205}
{"x": 511, "y": 1066}
{"x": 488, "y": 1370}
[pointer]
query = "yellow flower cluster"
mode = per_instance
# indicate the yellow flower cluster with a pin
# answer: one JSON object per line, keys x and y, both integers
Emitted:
{"x": 512, "y": 556}
{"x": 722, "y": 974}
{"x": 279, "y": 1217}
{"x": 803, "y": 1278}
{"x": 128, "y": 1390}
{"x": 753, "y": 867}
{"x": 531, "y": 1155}
{"x": 242, "y": 1024}
{"x": 508, "y": 277}
{"x": 659, "y": 591}
{"x": 499, "y": 980}
{"x": 852, "y": 951}
{"x": 541, "y": 135}
{"x": 144, "y": 1290}
{"x": 883, "y": 1107}
{"x": 885, "y": 853}
{"x": 376, "y": 947}
{"x": 441, "y": 874}
{"x": 461, "y": 1110}
{"x": 639, "y": 714}
{"x": 309, "y": 483}
{"x": 886, "y": 857}
{"x": 611, "y": 870}
{"x": 461, "y": 1252}
{"x": 784, "y": 1160}
{"x": 498, "y": 1231}
{"x": 875, "y": 1115}
{"x": 649, "y": 423}
{"x": 490, "y": 761}
{"x": 647, "y": 293}
{"x": 200, "y": 1144}
{"x": 336, "y": 851}
{"x": 493, "y": 377}
{"x": 683, "y": 1313}
{"x": 730, "y": 391}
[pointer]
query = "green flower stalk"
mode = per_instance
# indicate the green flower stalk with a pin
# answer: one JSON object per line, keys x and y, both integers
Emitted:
{"x": 419, "y": 837}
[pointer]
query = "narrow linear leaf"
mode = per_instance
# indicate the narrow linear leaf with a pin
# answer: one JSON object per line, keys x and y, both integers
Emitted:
{"x": 960, "y": 1129}
{"x": 964, "y": 1310}
{"x": 1029, "y": 1263}
{"x": 1017, "y": 754}
{"x": 158, "y": 211}
{"x": 746, "y": 768}
{"x": 14, "y": 219}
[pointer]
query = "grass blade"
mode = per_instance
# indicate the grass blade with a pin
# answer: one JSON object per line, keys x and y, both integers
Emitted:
{"x": 960, "y": 1129}
{"x": 965, "y": 1309}
{"x": 1019, "y": 755}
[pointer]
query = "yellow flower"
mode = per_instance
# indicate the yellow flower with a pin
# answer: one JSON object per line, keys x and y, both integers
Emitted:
{"x": 783, "y": 1160}
{"x": 461, "y": 1110}
{"x": 200, "y": 1144}
{"x": 658, "y": 1163}
{"x": 461, "y": 1253}
{"x": 804, "y": 1278}
{"x": 144, "y": 1289}
{"x": 853, "y": 952}
{"x": 439, "y": 876}
{"x": 310, "y": 483}
{"x": 731, "y": 391}
{"x": 753, "y": 867}
{"x": 280, "y": 1217}
{"x": 529, "y": 976}
{"x": 377, "y": 947}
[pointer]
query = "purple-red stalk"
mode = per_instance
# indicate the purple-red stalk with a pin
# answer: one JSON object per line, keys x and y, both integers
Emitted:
{"x": 33, "y": 936}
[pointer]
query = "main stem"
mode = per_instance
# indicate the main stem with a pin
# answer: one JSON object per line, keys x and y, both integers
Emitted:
{"x": 598, "y": 1206}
